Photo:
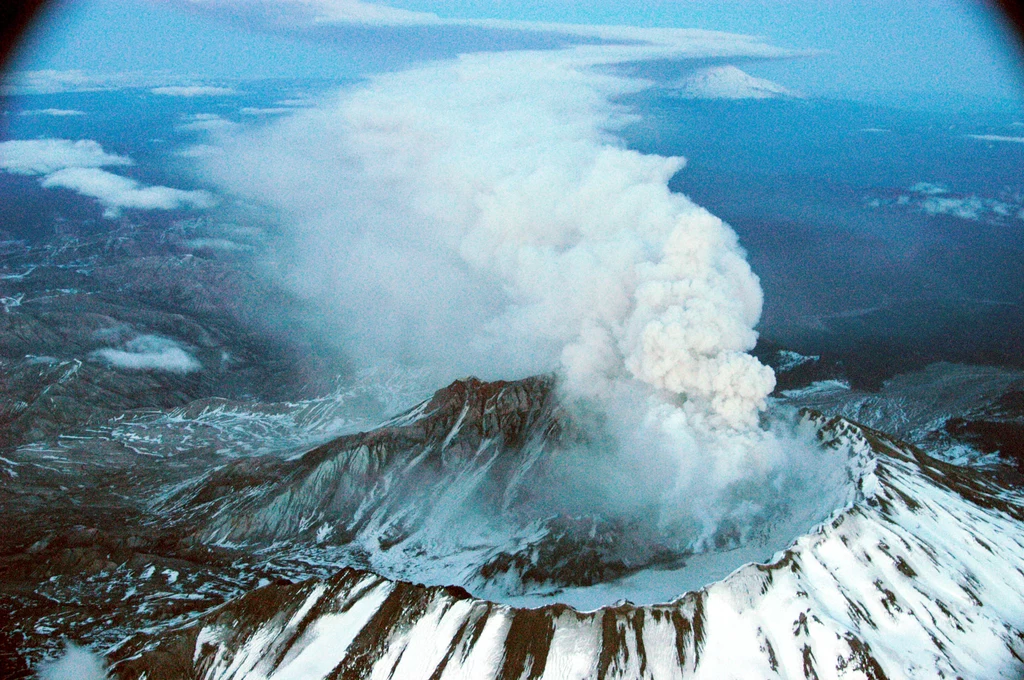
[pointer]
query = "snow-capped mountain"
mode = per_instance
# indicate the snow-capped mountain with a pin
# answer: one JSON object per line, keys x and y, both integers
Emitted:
{"x": 729, "y": 82}
{"x": 919, "y": 574}
{"x": 283, "y": 563}
{"x": 453, "y": 491}
{"x": 469, "y": 489}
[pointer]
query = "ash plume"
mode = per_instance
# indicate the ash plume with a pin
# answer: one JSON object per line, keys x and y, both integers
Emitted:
{"x": 479, "y": 216}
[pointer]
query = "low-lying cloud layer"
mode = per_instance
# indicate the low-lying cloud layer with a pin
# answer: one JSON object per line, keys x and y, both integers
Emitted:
{"x": 78, "y": 166}
{"x": 43, "y": 156}
{"x": 207, "y": 122}
{"x": 149, "y": 353}
{"x": 116, "y": 193}
{"x": 998, "y": 138}
{"x": 76, "y": 663}
{"x": 936, "y": 199}
{"x": 57, "y": 113}
{"x": 194, "y": 91}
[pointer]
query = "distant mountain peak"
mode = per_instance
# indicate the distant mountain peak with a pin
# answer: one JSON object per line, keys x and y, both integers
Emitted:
{"x": 729, "y": 82}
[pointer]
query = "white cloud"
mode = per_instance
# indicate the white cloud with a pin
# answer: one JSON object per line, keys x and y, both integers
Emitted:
{"x": 116, "y": 193}
{"x": 194, "y": 91}
{"x": 207, "y": 122}
{"x": 929, "y": 189}
{"x": 42, "y": 156}
{"x": 51, "y": 81}
{"x": 968, "y": 208}
{"x": 53, "y": 112}
{"x": 149, "y": 353}
{"x": 271, "y": 111}
{"x": 937, "y": 199}
{"x": 77, "y": 165}
{"x": 200, "y": 151}
{"x": 338, "y": 11}
{"x": 998, "y": 138}
{"x": 355, "y": 11}
{"x": 678, "y": 42}
{"x": 76, "y": 663}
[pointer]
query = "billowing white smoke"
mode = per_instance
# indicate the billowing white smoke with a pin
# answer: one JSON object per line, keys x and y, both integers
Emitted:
{"x": 479, "y": 217}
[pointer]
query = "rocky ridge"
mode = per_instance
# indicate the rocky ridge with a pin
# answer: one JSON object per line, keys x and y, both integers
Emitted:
{"x": 458, "y": 479}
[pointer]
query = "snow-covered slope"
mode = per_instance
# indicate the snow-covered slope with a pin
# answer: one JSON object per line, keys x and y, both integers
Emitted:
{"x": 729, "y": 82}
{"x": 921, "y": 575}
{"x": 925, "y": 407}
{"x": 469, "y": 488}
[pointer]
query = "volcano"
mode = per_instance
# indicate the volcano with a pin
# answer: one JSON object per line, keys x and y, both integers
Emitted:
{"x": 418, "y": 549}
{"x": 919, "y": 572}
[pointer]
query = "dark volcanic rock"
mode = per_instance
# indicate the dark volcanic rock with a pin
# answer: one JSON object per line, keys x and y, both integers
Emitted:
{"x": 996, "y": 428}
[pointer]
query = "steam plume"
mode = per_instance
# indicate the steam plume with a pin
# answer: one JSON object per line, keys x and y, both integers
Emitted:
{"x": 479, "y": 216}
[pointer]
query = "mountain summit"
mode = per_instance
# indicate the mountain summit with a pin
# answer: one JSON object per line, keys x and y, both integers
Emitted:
{"x": 729, "y": 82}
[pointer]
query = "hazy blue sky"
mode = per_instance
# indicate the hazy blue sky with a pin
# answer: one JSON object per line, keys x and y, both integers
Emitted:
{"x": 893, "y": 50}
